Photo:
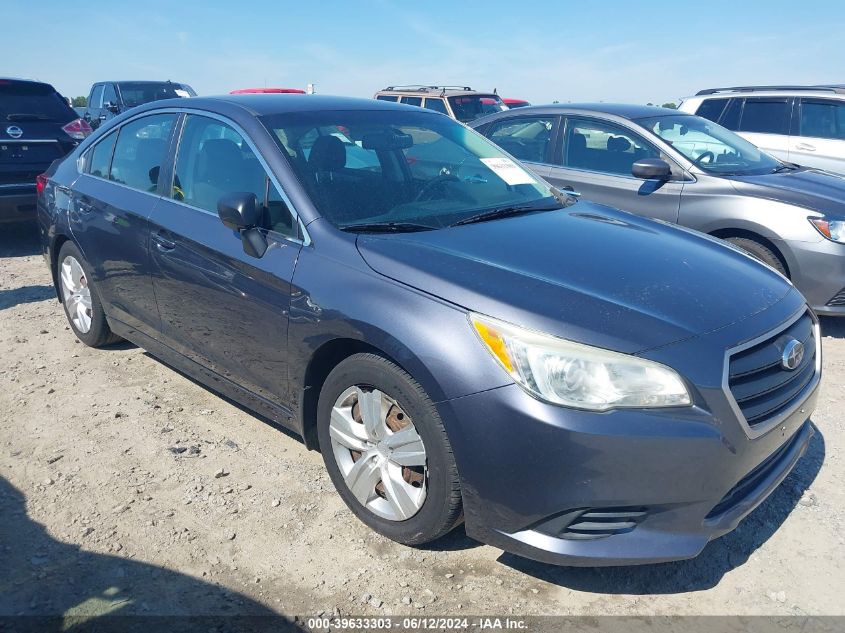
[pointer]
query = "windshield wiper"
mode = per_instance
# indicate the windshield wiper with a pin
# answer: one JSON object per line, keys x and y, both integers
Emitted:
{"x": 505, "y": 212}
{"x": 784, "y": 167}
{"x": 387, "y": 227}
{"x": 22, "y": 116}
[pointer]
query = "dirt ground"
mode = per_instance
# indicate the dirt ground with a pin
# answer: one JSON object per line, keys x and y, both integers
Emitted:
{"x": 127, "y": 488}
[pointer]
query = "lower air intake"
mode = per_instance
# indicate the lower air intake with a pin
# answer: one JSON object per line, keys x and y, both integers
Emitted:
{"x": 592, "y": 523}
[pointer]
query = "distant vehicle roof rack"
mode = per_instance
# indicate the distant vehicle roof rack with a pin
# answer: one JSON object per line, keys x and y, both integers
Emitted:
{"x": 837, "y": 88}
{"x": 422, "y": 88}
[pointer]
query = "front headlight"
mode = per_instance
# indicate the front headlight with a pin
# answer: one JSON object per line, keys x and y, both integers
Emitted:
{"x": 576, "y": 375}
{"x": 832, "y": 229}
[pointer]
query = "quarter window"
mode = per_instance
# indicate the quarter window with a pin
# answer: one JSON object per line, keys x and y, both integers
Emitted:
{"x": 712, "y": 109}
{"x": 822, "y": 118}
{"x": 140, "y": 151}
{"x": 99, "y": 157}
{"x": 526, "y": 138}
{"x": 765, "y": 116}
{"x": 603, "y": 147}
{"x": 214, "y": 160}
{"x": 387, "y": 98}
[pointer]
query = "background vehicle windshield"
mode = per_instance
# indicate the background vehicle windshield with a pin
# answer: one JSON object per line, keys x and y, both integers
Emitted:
{"x": 135, "y": 93}
{"x": 470, "y": 107}
{"x": 710, "y": 146}
{"x": 394, "y": 166}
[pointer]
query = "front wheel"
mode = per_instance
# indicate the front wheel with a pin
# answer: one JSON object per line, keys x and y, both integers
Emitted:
{"x": 759, "y": 252}
{"x": 387, "y": 452}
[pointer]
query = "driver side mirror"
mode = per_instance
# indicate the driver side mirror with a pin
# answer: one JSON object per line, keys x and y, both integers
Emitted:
{"x": 651, "y": 169}
{"x": 239, "y": 211}
{"x": 112, "y": 107}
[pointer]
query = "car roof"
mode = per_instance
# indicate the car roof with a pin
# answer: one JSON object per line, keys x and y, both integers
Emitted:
{"x": 269, "y": 103}
{"x": 626, "y": 111}
{"x": 23, "y": 80}
{"x": 434, "y": 91}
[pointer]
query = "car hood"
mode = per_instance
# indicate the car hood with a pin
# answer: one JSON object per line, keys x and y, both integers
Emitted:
{"x": 588, "y": 273}
{"x": 815, "y": 189}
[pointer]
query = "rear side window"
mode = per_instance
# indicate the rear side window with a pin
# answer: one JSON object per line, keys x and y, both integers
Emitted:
{"x": 414, "y": 101}
{"x": 140, "y": 150}
{"x": 214, "y": 160}
{"x": 99, "y": 158}
{"x": 822, "y": 118}
{"x": 28, "y": 101}
{"x": 438, "y": 105}
{"x": 387, "y": 98}
{"x": 765, "y": 116}
{"x": 526, "y": 138}
{"x": 712, "y": 109}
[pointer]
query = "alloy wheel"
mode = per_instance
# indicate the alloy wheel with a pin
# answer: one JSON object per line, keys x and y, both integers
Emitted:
{"x": 379, "y": 452}
{"x": 76, "y": 294}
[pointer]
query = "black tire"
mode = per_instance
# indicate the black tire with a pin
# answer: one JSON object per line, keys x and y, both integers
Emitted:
{"x": 99, "y": 335}
{"x": 442, "y": 509}
{"x": 760, "y": 252}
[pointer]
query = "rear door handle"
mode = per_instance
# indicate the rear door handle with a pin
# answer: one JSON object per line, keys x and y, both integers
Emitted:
{"x": 806, "y": 147}
{"x": 162, "y": 243}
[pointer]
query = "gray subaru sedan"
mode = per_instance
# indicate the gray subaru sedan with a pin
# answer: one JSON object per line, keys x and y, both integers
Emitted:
{"x": 687, "y": 170}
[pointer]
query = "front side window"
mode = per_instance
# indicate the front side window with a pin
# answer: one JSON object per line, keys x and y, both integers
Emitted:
{"x": 765, "y": 116}
{"x": 470, "y": 107}
{"x": 526, "y": 138}
{"x": 603, "y": 147}
{"x": 214, "y": 160}
{"x": 109, "y": 95}
{"x": 822, "y": 118}
{"x": 710, "y": 146}
{"x": 99, "y": 156}
{"x": 96, "y": 100}
{"x": 389, "y": 167}
{"x": 436, "y": 104}
{"x": 140, "y": 151}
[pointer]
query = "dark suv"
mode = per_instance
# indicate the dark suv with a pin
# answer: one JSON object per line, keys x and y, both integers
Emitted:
{"x": 37, "y": 126}
{"x": 107, "y": 99}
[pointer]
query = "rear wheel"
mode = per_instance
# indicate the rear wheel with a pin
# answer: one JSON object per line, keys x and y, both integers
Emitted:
{"x": 760, "y": 252}
{"x": 387, "y": 452}
{"x": 80, "y": 299}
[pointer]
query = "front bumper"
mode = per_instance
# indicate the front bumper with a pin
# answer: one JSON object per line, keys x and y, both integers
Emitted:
{"x": 17, "y": 203}
{"x": 689, "y": 474}
{"x": 818, "y": 271}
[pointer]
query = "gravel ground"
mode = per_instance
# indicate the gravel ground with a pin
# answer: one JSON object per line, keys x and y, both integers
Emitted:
{"x": 120, "y": 477}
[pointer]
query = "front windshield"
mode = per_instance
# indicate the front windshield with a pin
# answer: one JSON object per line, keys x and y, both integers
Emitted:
{"x": 470, "y": 107}
{"x": 135, "y": 93}
{"x": 710, "y": 146}
{"x": 369, "y": 167}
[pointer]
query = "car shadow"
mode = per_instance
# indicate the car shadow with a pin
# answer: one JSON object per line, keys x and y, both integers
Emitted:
{"x": 60, "y": 586}
{"x": 11, "y": 297}
{"x": 700, "y": 573}
{"x": 19, "y": 239}
{"x": 832, "y": 326}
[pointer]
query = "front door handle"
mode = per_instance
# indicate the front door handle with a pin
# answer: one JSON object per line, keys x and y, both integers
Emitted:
{"x": 162, "y": 243}
{"x": 806, "y": 147}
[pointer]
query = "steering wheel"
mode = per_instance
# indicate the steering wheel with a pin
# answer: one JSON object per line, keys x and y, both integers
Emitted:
{"x": 707, "y": 154}
{"x": 437, "y": 181}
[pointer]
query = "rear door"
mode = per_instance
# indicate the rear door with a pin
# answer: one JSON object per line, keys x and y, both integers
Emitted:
{"x": 765, "y": 122}
{"x": 818, "y": 139}
{"x": 112, "y": 201}
{"x": 31, "y": 137}
{"x": 220, "y": 307}
{"x": 596, "y": 158}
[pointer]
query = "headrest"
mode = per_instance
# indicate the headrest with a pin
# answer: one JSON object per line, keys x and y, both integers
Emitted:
{"x": 327, "y": 154}
{"x": 618, "y": 144}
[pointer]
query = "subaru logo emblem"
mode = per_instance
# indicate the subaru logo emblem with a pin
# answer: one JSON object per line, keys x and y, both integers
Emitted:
{"x": 14, "y": 131}
{"x": 793, "y": 354}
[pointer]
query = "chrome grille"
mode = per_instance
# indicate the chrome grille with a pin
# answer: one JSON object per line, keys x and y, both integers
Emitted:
{"x": 761, "y": 387}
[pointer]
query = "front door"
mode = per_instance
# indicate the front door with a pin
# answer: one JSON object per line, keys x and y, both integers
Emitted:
{"x": 109, "y": 215}
{"x": 820, "y": 138}
{"x": 596, "y": 160}
{"x": 220, "y": 307}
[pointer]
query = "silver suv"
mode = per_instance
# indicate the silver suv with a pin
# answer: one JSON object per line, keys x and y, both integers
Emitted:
{"x": 459, "y": 102}
{"x": 686, "y": 170}
{"x": 799, "y": 124}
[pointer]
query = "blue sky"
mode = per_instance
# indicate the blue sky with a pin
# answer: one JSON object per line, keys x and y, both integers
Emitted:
{"x": 541, "y": 51}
